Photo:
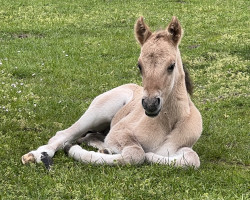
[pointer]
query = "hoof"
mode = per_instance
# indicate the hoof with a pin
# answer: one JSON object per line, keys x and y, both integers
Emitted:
{"x": 67, "y": 148}
{"x": 28, "y": 158}
{"x": 47, "y": 160}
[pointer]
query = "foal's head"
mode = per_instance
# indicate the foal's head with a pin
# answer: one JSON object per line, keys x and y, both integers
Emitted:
{"x": 158, "y": 63}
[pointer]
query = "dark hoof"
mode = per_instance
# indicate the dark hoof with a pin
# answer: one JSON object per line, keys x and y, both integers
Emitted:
{"x": 67, "y": 148}
{"x": 47, "y": 160}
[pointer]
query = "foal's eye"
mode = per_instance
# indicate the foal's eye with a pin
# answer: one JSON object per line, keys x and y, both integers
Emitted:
{"x": 139, "y": 67}
{"x": 171, "y": 67}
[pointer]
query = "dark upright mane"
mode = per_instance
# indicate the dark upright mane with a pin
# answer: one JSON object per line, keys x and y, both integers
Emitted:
{"x": 188, "y": 81}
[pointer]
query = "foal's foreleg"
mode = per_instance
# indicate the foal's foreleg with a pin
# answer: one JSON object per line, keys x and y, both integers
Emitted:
{"x": 129, "y": 155}
{"x": 120, "y": 141}
{"x": 177, "y": 148}
{"x": 100, "y": 112}
{"x": 183, "y": 157}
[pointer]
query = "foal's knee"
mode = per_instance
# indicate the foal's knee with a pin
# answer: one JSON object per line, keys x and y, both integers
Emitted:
{"x": 133, "y": 155}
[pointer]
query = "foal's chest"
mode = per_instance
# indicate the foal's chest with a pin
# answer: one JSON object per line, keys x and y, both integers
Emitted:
{"x": 151, "y": 135}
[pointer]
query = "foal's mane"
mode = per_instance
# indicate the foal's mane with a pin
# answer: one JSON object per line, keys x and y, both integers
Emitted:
{"x": 188, "y": 81}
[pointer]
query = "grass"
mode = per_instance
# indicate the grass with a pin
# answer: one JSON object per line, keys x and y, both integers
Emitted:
{"x": 56, "y": 56}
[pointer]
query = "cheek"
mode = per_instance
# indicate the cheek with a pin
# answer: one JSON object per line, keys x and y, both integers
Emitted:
{"x": 168, "y": 83}
{"x": 172, "y": 81}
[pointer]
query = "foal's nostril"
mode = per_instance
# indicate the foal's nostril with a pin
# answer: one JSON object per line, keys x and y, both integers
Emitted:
{"x": 143, "y": 103}
{"x": 158, "y": 100}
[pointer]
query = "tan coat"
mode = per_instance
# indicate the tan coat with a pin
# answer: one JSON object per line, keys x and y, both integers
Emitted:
{"x": 157, "y": 122}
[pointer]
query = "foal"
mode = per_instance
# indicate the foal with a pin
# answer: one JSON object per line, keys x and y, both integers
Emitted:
{"x": 157, "y": 123}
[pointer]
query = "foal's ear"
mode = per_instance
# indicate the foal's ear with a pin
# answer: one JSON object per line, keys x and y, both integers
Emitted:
{"x": 142, "y": 31}
{"x": 175, "y": 31}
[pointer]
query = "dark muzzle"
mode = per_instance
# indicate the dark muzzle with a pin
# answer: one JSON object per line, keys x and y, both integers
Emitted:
{"x": 152, "y": 106}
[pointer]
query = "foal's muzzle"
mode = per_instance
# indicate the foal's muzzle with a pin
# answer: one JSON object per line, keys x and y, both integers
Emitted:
{"x": 152, "y": 106}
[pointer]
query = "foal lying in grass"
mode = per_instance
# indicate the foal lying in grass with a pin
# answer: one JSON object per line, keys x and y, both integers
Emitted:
{"x": 157, "y": 123}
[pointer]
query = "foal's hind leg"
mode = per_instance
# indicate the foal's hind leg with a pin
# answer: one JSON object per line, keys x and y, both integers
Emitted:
{"x": 99, "y": 114}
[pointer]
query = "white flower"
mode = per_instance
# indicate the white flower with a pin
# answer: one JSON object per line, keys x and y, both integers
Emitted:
{"x": 33, "y": 74}
{"x": 19, "y": 91}
{"x": 13, "y": 85}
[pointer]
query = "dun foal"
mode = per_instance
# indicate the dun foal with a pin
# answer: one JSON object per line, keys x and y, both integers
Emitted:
{"x": 157, "y": 123}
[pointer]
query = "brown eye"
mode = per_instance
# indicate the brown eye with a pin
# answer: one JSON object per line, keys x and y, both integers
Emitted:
{"x": 171, "y": 67}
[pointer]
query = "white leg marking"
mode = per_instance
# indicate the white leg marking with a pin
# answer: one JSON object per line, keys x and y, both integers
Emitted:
{"x": 85, "y": 156}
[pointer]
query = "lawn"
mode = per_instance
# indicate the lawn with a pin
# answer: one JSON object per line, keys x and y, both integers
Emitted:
{"x": 56, "y": 56}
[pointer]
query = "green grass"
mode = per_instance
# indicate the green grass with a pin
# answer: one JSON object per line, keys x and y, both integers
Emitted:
{"x": 56, "y": 56}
